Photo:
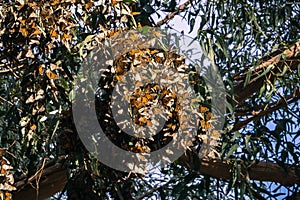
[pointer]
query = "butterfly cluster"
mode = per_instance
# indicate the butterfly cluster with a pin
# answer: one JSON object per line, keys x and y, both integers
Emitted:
{"x": 6, "y": 177}
{"x": 145, "y": 99}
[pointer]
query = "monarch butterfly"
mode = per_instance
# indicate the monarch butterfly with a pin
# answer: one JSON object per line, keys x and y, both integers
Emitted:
{"x": 208, "y": 116}
{"x": 24, "y": 31}
{"x": 138, "y": 148}
{"x": 54, "y": 3}
{"x": 88, "y": 5}
{"x": 6, "y": 178}
{"x": 50, "y": 74}
{"x": 54, "y": 34}
{"x": 41, "y": 69}
{"x": 203, "y": 109}
{"x": 5, "y": 195}
{"x": 205, "y": 125}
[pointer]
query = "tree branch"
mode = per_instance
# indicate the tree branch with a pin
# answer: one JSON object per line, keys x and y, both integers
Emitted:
{"x": 258, "y": 108}
{"x": 261, "y": 171}
{"x": 170, "y": 16}
{"x": 54, "y": 177}
{"x": 279, "y": 104}
{"x": 9, "y": 70}
{"x": 292, "y": 59}
{"x": 52, "y": 180}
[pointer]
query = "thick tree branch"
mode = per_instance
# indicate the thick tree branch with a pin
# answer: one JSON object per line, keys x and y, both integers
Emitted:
{"x": 261, "y": 171}
{"x": 51, "y": 180}
{"x": 279, "y": 104}
{"x": 170, "y": 16}
{"x": 250, "y": 111}
{"x": 54, "y": 177}
{"x": 289, "y": 57}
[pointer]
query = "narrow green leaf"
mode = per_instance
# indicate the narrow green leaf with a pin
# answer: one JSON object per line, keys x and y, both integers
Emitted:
{"x": 192, "y": 24}
{"x": 236, "y": 135}
{"x": 248, "y": 77}
{"x": 243, "y": 189}
{"x": 261, "y": 90}
{"x": 283, "y": 56}
{"x": 71, "y": 95}
{"x": 247, "y": 139}
{"x": 232, "y": 150}
{"x": 284, "y": 71}
{"x": 269, "y": 68}
{"x": 229, "y": 106}
{"x": 202, "y": 22}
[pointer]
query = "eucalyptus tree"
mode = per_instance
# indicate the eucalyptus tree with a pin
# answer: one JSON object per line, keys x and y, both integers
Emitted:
{"x": 253, "y": 45}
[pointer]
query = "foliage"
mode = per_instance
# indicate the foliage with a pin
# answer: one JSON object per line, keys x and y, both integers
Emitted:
{"x": 43, "y": 44}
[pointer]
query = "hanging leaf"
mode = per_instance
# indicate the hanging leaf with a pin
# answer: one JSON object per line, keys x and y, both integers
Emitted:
{"x": 192, "y": 24}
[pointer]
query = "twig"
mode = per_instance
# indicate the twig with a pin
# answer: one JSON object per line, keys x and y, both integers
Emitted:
{"x": 292, "y": 60}
{"x": 10, "y": 103}
{"x": 281, "y": 103}
{"x": 260, "y": 107}
{"x": 9, "y": 70}
{"x": 181, "y": 8}
{"x": 39, "y": 171}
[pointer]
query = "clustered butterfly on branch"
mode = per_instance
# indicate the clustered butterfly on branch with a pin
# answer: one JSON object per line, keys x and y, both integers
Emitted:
{"x": 6, "y": 176}
{"x": 147, "y": 96}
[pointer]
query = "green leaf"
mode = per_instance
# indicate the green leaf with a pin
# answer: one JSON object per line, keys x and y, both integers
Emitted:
{"x": 192, "y": 23}
{"x": 247, "y": 139}
{"x": 236, "y": 135}
{"x": 229, "y": 106}
{"x": 283, "y": 71}
{"x": 232, "y": 150}
{"x": 269, "y": 68}
{"x": 261, "y": 90}
{"x": 203, "y": 21}
{"x": 71, "y": 95}
{"x": 243, "y": 189}
{"x": 248, "y": 77}
{"x": 220, "y": 43}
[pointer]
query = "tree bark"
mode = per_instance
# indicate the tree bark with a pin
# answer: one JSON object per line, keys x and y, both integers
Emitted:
{"x": 260, "y": 171}
{"x": 170, "y": 16}
{"x": 289, "y": 57}
{"x": 49, "y": 181}
{"x": 54, "y": 178}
